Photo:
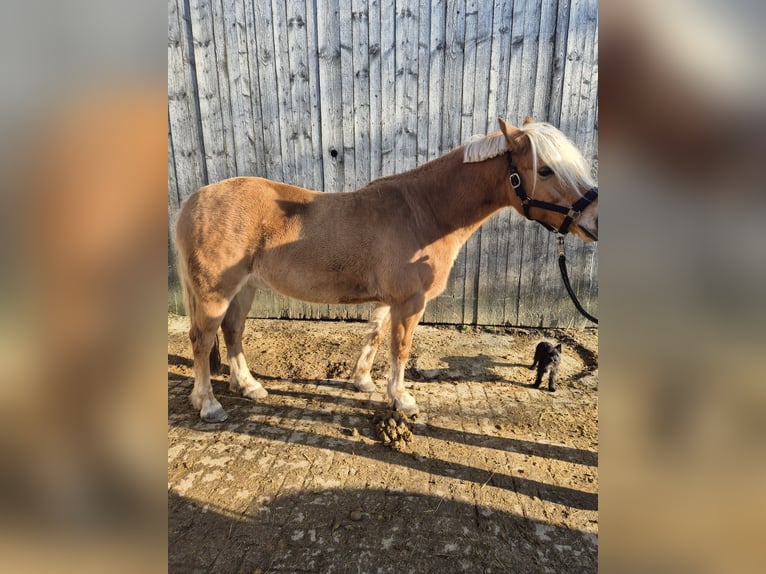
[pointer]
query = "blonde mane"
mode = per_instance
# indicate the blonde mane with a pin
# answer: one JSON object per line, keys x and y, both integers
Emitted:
{"x": 549, "y": 147}
{"x": 480, "y": 148}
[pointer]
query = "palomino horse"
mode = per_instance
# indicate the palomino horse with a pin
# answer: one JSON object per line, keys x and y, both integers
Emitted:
{"x": 392, "y": 242}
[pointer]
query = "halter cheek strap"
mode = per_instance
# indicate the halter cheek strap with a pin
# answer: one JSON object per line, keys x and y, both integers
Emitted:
{"x": 572, "y": 213}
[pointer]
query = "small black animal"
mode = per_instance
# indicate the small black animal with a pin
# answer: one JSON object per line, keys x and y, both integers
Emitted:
{"x": 547, "y": 360}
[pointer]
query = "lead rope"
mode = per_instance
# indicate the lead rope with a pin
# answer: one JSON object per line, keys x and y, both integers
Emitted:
{"x": 565, "y": 277}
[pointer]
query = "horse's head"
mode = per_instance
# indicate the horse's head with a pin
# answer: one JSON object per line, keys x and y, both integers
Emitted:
{"x": 553, "y": 182}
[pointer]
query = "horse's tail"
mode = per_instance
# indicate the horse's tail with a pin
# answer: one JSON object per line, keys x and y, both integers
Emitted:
{"x": 190, "y": 302}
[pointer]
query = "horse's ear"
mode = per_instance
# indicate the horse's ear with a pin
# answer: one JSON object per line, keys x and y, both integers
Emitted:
{"x": 558, "y": 347}
{"x": 529, "y": 120}
{"x": 512, "y": 135}
{"x": 507, "y": 129}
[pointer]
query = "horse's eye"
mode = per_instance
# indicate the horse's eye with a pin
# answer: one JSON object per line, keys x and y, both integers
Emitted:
{"x": 545, "y": 171}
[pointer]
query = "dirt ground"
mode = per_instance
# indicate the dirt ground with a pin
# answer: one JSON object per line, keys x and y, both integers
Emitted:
{"x": 499, "y": 477}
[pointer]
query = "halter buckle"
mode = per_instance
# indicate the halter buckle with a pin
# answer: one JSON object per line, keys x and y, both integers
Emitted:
{"x": 574, "y": 214}
{"x": 515, "y": 180}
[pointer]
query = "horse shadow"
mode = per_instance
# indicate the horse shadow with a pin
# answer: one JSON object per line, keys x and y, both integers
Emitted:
{"x": 306, "y": 400}
{"x": 480, "y": 368}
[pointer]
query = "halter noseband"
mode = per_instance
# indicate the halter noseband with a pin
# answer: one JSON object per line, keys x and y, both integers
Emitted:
{"x": 572, "y": 213}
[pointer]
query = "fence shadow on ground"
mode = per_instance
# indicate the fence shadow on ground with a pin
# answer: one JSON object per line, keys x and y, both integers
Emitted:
{"x": 370, "y": 530}
{"x": 257, "y": 419}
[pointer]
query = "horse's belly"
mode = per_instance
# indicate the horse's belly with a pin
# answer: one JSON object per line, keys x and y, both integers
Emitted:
{"x": 316, "y": 288}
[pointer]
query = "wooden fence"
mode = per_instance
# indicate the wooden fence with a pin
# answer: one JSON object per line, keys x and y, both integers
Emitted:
{"x": 331, "y": 94}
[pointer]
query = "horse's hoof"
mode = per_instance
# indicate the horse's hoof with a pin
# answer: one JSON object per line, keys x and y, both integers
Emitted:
{"x": 214, "y": 415}
{"x": 407, "y": 405}
{"x": 365, "y": 384}
{"x": 255, "y": 392}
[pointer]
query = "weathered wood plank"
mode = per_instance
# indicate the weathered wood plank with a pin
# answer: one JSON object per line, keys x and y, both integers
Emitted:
{"x": 423, "y": 76}
{"x": 209, "y": 96}
{"x": 405, "y": 141}
{"x": 389, "y": 118}
{"x": 347, "y": 95}
{"x": 360, "y": 54}
{"x": 288, "y": 128}
{"x": 331, "y": 105}
{"x": 314, "y": 130}
{"x": 183, "y": 113}
{"x": 376, "y": 94}
{"x": 300, "y": 92}
{"x": 267, "y": 81}
{"x": 232, "y": 57}
{"x": 438, "y": 47}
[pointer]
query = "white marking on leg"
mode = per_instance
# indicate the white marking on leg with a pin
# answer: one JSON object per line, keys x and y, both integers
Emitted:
{"x": 398, "y": 397}
{"x": 241, "y": 380}
{"x": 361, "y": 378}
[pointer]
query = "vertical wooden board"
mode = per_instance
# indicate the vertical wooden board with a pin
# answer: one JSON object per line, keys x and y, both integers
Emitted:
{"x": 588, "y": 87}
{"x": 453, "y": 75}
{"x": 559, "y": 62}
{"x": 361, "y": 84}
{"x": 405, "y": 143}
{"x": 576, "y": 39}
{"x": 496, "y": 292}
{"x": 347, "y": 95}
{"x": 497, "y": 100}
{"x": 224, "y": 94}
{"x": 300, "y": 103}
{"x": 513, "y": 234}
{"x": 438, "y": 48}
{"x": 516, "y": 82}
{"x": 288, "y": 132}
{"x": 376, "y": 96}
{"x": 423, "y": 77}
{"x": 243, "y": 152}
{"x": 538, "y": 294}
{"x": 183, "y": 113}
{"x": 545, "y": 62}
{"x": 388, "y": 85}
{"x": 582, "y": 267}
{"x": 208, "y": 92}
{"x": 468, "y": 90}
{"x": 529, "y": 48}
{"x": 265, "y": 64}
{"x": 481, "y": 119}
{"x": 331, "y": 108}
{"x": 251, "y": 87}
{"x": 315, "y": 129}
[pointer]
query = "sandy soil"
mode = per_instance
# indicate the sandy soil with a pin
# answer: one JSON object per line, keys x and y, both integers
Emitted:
{"x": 499, "y": 477}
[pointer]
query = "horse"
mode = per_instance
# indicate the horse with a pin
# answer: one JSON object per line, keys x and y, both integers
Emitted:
{"x": 392, "y": 242}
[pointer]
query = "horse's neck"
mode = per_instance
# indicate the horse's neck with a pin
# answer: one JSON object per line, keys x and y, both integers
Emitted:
{"x": 467, "y": 194}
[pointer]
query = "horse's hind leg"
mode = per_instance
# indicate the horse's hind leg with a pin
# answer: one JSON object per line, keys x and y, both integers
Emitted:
{"x": 240, "y": 379}
{"x": 379, "y": 322}
{"x": 205, "y": 320}
{"x": 404, "y": 318}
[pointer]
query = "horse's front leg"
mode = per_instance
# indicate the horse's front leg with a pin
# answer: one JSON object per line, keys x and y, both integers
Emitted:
{"x": 379, "y": 322}
{"x": 404, "y": 318}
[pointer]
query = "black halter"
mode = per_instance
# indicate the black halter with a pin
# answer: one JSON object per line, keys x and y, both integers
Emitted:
{"x": 572, "y": 213}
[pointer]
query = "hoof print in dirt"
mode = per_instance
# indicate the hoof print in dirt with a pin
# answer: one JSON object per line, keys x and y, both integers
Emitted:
{"x": 394, "y": 428}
